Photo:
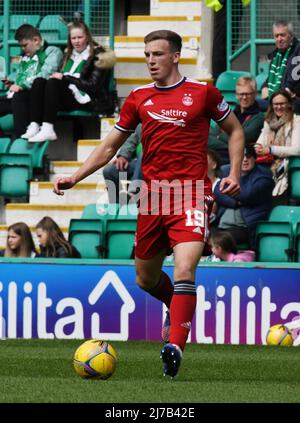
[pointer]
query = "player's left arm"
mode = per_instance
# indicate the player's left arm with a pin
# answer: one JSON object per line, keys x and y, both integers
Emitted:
{"x": 236, "y": 143}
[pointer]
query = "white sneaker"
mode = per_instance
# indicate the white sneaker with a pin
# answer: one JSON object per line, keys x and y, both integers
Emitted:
{"x": 31, "y": 130}
{"x": 46, "y": 133}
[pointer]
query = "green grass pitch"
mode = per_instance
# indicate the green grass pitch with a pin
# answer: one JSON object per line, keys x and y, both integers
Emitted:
{"x": 41, "y": 371}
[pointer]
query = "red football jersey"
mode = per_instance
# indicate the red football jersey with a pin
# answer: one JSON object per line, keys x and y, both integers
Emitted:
{"x": 175, "y": 126}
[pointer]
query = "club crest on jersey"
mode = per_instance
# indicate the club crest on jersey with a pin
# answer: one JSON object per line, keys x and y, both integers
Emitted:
{"x": 222, "y": 106}
{"x": 187, "y": 100}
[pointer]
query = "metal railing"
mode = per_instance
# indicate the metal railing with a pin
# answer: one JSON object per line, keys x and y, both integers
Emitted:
{"x": 97, "y": 14}
{"x": 250, "y": 28}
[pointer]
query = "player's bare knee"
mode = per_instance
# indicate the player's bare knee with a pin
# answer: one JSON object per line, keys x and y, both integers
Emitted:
{"x": 183, "y": 271}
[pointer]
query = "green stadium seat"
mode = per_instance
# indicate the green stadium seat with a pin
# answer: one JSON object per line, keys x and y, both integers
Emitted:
{"x": 294, "y": 177}
{"x": 36, "y": 150}
{"x": 274, "y": 241}
{"x": 4, "y": 145}
{"x": 86, "y": 235}
{"x": 120, "y": 235}
{"x": 101, "y": 212}
{"x": 15, "y": 175}
{"x": 290, "y": 214}
{"x": 297, "y": 243}
{"x": 226, "y": 83}
{"x": 17, "y": 20}
{"x": 7, "y": 123}
{"x": 128, "y": 211}
{"x": 87, "y": 243}
{"x": 52, "y": 28}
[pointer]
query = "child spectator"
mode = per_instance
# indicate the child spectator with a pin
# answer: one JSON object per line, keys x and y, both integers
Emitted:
{"x": 19, "y": 242}
{"x": 83, "y": 84}
{"x": 39, "y": 60}
{"x": 223, "y": 246}
{"x": 52, "y": 241}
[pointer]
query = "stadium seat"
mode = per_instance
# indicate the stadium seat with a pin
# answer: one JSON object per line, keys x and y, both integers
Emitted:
{"x": 101, "y": 212}
{"x": 128, "y": 211}
{"x": 7, "y": 123}
{"x": 120, "y": 234}
{"x": 53, "y": 28}
{"x": 86, "y": 235}
{"x": 290, "y": 214}
{"x": 226, "y": 83}
{"x": 17, "y": 20}
{"x": 274, "y": 241}
{"x": 4, "y": 145}
{"x": 297, "y": 243}
{"x": 36, "y": 150}
{"x": 294, "y": 175}
{"x": 15, "y": 175}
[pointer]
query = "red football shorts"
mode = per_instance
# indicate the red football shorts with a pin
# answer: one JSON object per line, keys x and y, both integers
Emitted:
{"x": 162, "y": 232}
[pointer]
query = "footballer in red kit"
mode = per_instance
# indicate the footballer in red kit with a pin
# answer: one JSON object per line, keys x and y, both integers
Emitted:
{"x": 175, "y": 124}
{"x": 175, "y": 198}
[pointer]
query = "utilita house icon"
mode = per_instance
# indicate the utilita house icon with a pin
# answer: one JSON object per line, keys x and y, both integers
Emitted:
{"x": 127, "y": 308}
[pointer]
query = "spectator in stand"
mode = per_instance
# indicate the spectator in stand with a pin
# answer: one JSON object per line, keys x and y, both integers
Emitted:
{"x": 279, "y": 140}
{"x": 83, "y": 84}
{"x": 39, "y": 60}
{"x": 283, "y": 71}
{"x": 19, "y": 242}
{"x": 213, "y": 167}
{"x": 240, "y": 214}
{"x": 213, "y": 172}
{"x": 224, "y": 247}
{"x": 52, "y": 241}
{"x": 248, "y": 113}
{"x": 124, "y": 167}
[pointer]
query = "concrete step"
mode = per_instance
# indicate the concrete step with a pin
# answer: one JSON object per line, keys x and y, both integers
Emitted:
{"x": 176, "y": 7}
{"x": 134, "y": 46}
{"x": 85, "y": 147}
{"x": 143, "y": 24}
{"x": 82, "y": 193}
{"x": 137, "y": 42}
{"x": 67, "y": 168}
{"x": 107, "y": 125}
{"x": 31, "y": 214}
{"x": 4, "y": 228}
{"x": 135, "y": 67}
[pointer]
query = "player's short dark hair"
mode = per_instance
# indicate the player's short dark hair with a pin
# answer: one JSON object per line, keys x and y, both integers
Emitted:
{"x": 27, "y": 32}
{"x": 175, "y": 41}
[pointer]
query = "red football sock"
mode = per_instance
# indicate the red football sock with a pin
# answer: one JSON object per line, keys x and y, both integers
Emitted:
{"x": 182, "y": 310}
{"x": 163, "y": 291}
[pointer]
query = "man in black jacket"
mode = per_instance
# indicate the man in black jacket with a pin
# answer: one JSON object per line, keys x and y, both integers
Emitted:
{"x": 284, "y": 67}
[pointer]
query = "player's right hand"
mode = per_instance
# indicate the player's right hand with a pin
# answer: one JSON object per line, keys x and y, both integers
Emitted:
{"x": 62, "y": 183}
